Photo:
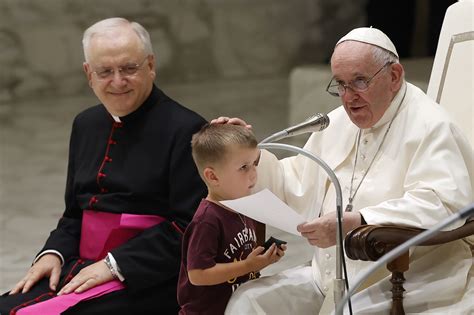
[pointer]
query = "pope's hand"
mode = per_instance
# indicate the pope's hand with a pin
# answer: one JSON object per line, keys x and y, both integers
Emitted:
{"x": 321, "y": 231}
{"x": 89, "y": 277}
{"x": 232, "y": 121}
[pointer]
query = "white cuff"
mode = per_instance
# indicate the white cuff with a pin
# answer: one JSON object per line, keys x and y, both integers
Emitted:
{"x": 49, "y": 251}
{"x": 116, "y": 268}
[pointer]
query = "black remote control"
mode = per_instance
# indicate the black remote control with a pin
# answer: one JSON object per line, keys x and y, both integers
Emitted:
{"x": 272, "y": 240}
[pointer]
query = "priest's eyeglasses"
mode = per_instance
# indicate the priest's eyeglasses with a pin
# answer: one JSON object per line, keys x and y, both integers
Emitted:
{"x": 127, "y": 70}
{"x": 338, "y": 88}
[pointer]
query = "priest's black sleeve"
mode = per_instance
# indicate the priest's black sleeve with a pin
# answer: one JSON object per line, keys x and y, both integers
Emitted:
{"x": 66, "y": 237}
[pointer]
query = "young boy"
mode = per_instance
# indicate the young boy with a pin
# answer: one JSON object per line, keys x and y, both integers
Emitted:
{"x": 219, "y": 244}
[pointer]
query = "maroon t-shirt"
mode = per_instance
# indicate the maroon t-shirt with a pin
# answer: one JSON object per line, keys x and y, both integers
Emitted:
{"x": 215, "y": 235}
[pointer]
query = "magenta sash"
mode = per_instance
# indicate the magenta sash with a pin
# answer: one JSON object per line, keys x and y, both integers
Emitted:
{"x": 103, "y": 231}
{"x": 100, "y": 233}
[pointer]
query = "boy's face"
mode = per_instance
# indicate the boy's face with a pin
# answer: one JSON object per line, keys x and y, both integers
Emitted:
{"x": 236, "y": 175}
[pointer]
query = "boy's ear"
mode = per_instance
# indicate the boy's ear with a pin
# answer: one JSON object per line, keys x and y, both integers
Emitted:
{"x": 210, "y": 176}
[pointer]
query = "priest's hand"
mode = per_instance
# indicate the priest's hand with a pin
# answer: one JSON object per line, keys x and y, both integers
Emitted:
{"x": 89, "y": 277}
{"x": 48, "y": 265}
{"x": 321, "y": 231}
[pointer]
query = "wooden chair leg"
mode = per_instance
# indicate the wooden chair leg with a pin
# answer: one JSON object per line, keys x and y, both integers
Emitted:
{"x": 398, "y": 267}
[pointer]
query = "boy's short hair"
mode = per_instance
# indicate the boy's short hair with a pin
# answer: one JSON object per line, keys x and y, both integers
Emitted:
{"x": 212, "y": 142}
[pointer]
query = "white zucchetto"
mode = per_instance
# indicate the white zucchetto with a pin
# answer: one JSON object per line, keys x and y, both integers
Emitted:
{"x": 371, "y": 36}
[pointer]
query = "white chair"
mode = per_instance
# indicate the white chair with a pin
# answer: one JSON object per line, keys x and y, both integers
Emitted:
{"x": 452, "y": 77}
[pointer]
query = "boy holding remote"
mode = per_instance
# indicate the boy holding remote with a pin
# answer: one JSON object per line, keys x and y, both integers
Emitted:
{"x": 219, "y": 245}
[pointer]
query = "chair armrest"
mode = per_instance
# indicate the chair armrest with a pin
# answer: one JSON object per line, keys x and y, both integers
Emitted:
{"x": 370, "y": 242}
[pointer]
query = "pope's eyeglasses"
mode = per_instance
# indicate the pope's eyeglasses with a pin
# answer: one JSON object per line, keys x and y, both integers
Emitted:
{"x": 339, "y": 88}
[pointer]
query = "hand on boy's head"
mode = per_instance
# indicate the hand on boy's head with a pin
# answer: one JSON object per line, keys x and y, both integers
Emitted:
{"x": 232, "y": 121}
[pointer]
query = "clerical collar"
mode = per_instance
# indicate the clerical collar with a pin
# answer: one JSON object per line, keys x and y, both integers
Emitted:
{"x": 142, "y": 110}
{"x": 392, "y": 109}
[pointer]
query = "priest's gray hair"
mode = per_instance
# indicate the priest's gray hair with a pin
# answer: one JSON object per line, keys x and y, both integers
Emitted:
{"x": 111, "y": 23}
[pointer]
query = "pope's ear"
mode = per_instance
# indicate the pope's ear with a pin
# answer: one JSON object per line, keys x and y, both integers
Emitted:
{"x": 397, "y": 75}
{"x": 210, "y": 176}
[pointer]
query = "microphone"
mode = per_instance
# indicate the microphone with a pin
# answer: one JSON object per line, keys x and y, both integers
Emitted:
{"x": 317, "y": 122}
{"x": 313, "y": 123}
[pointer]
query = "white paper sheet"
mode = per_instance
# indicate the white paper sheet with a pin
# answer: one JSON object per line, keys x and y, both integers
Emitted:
{"x": 267, "y": 208}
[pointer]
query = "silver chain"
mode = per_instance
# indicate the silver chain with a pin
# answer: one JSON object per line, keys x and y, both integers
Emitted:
{"x": 352, "y": 196}
{"x": 242, "y": 219}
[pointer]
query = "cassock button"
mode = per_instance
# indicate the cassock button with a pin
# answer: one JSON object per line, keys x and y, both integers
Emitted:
{"x": 328, "y": 256}
{"x": 94, "y": 200}
{"x": 328, "y": 272}
{"x": 325, "y": 288}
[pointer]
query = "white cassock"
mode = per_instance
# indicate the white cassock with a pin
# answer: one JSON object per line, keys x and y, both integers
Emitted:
{"x": 423, "y": 173}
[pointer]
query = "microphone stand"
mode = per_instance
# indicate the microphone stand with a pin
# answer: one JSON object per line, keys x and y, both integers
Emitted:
{"x": 402, "y": 248}
{"x": 339, "y": 287}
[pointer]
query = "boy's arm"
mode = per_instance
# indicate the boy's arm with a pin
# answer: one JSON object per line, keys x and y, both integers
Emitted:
{"x": 223, "y": 272}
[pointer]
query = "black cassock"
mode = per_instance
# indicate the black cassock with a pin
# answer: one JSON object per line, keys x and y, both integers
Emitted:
{"x": 142, "y": 165}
